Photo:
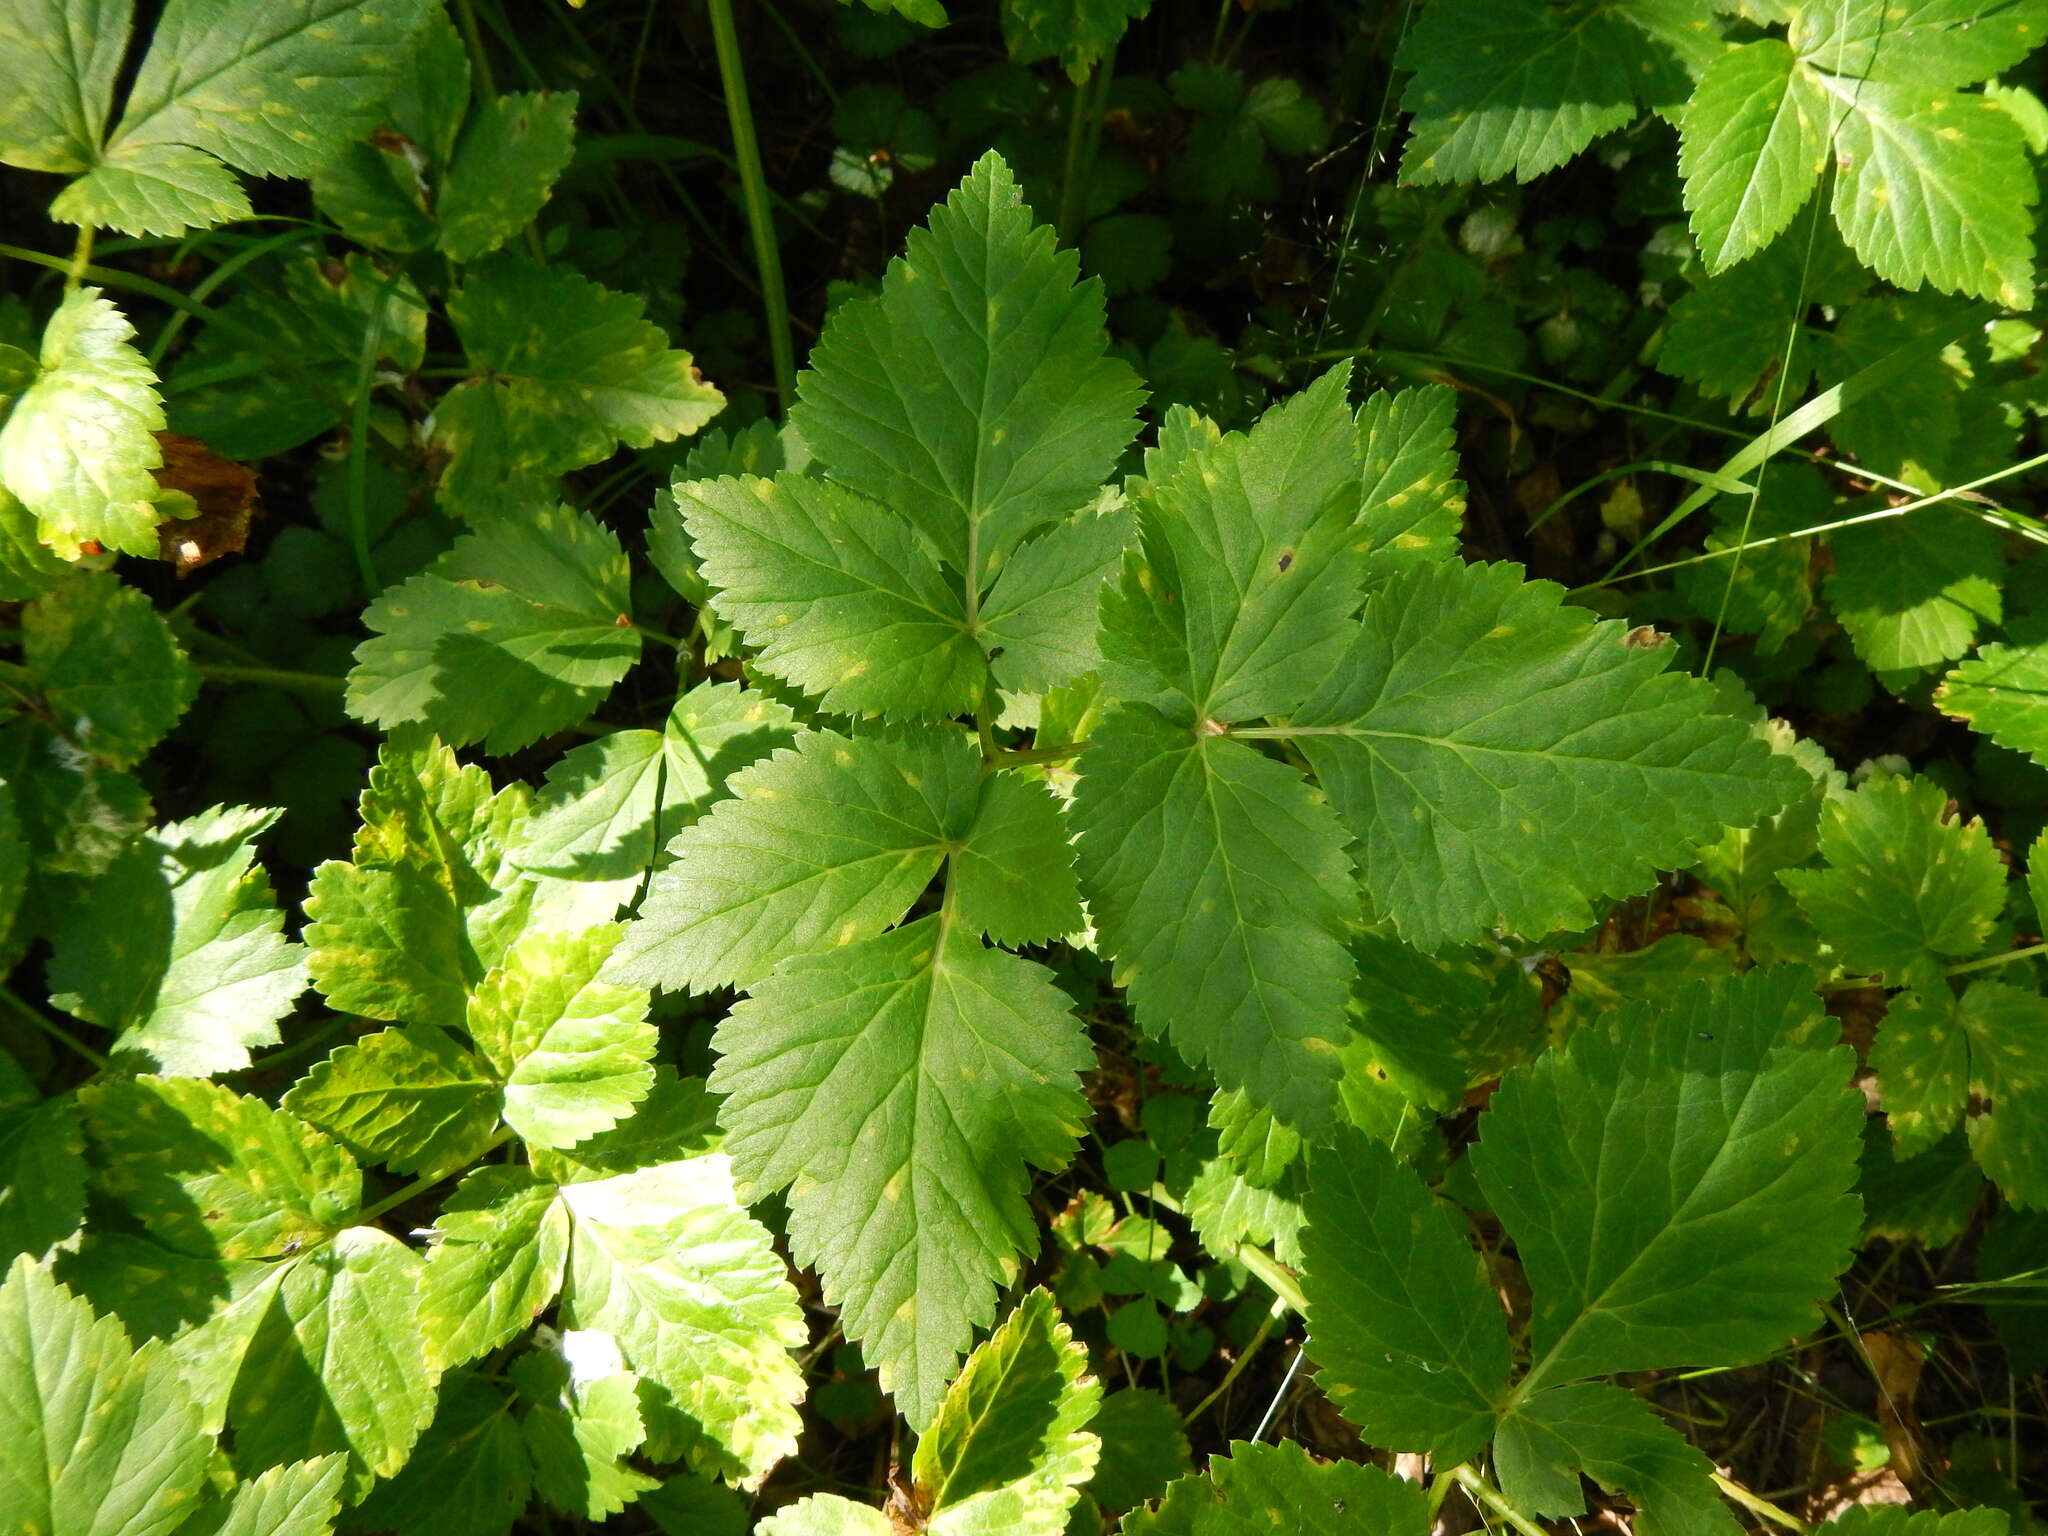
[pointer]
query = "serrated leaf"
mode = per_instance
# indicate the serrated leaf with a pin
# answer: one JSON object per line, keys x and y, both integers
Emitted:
{"x": 430, "y": 900}
{"x": 821, "y": 845}
{"x": 573, "y": 1052}
{"x": 213, "y": 1174}
{"x": 28, "y": 567}
{"x": 1478, "y": 723}
{"x": 1414, "y": 503}
{"x": 1076, "y": 32}
{"x": 1144, "y": 1447}
{"x": 1519, "y": 89}
{"x": 112, "y": 676}
{"x": 65, "y": 56}
{"x": 409, "y": 1097}
{"x": 608, "y": 806}
{"x": 1261, "y": 1488}
{"x": 974, "y": 395}
{"x": 78, "y": 446}
{"x": 564, "y": 372}
{"x": 666, "y": 1261}
{"x": 42, "y": 1166}
{"x": 2002, "y": 691}
{"x": 468, "y": 1475}
{"x": 1755, "y": 139}
{"x": 1895, "y": 1520}
{"x": 1904, "y": 883}
{"x": 1696, "y": 1161}
{"x": 1612, "y": 1437}
{"x": 826, "y": 1514}
{"x": 1039, "y": 616}
{"x": 1987, "y": 1050}
{"x": 1013, "y": 876}
{"x": 1931, "y": 43}
{"x": 1915, "y": 591}
{"x": 509, "y": 155}
{"x": 179, "y": 947}
{"x": 839, "y": 594}
{"x": 335, "y": 1361}
{"x": 96, "y": 1438}
{"x": 503, "y": 1246}
{"x": 516, "y": 632}
{"x": 1219, "y": 883}
{"x": 584, "y": 1418}
{"x": 898, "y": 1088}
{"x": 300, "y": 1498}
{"x": 155, "y": 189}
{"x": 1402, "y": 1317}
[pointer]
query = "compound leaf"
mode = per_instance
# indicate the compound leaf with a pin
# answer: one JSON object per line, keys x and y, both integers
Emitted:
{"x": 1936, "y": 44}
{"x": 500, "y": 1258}
{"x": 898, "y": 1088}
{"x": 1755, "y": 138}
{"x": 1039, "y": 616}
{"x": 1013, "y": 878}
{"x": 409, "y": 1097}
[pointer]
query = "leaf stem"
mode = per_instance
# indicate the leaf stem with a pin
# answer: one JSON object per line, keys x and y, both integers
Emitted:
{"x": 2005, "y": 959}
{"x": 1244, "y": 1358}
{"x": 1484, "y": 1493}
{"x": 276, "y": 677}
{"x": 1001, "y": 759}
{"x": 1077, "y": 112}
{"x": 81, "y": 258}
{"x": 53, "y": 1029}
{"x": 1758, "y": 1505}
{"x": 754, "y": 192}
{"x": 426, "y": 1181}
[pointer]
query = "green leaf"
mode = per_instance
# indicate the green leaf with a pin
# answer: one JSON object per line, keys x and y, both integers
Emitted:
{"x": 468, "y": 1475}
{"x": 1914, "y": 591}
{"x": 108, "y": 669}
{"x": 1697, "y": 1161}
{"x": 409, "y": 1097}
{"x": 585, "y": 1417}
{"x": 839, "y": 594}
{"x": 1611, "y": 1436}
{"x": 515, "y": 633}
{"x": 28, "y": 568}
{"x": 1013, "y": 877}
{"x": 821, "y": 845}
{"x": 155, "y": 189}
{"x": 1478, "y": 723}
{"x": 77, "y": 448}
{"x": 1079, "y": 33}
{"x": 608, "y": 806}
{"x": 300, "y": 1498}
{"x": 42, "y": 1166}
{"x": 666, "y": 1261}
{"x": 1040, "y": 613}
{"x": 179, "y": 946}
{"x": 429, "y": 901}
{"x": 2003, "y": 692}
{"x": 1934, "y": 187}
{"x": 1414, "y": 503}
{"x": 564, "y": 371}
{"x": 1935, "y": 44}
{"x": 1905, "y": 883}
{"x": 1519, "y": 89}
{"x": 1987, "y": 1050}
{"x": 65, "y": 55}
{"x": 1251, "y": 564}
{"x": 898, "y": 1087}
{"x": 502, "y": 1251}
{"x": 96, "y": 1438}
{"x": 1402, "y": 1317}
{"x": 826, "y": 1514}
{"x": 1144, "y": 1447}
{"x": 1261, "y": 1488}
{"x": 573, "y": 1052}
{"x": 1755, "y": 139}
{"x": 1220, "y": 885}
{"x": 507, "y": 160}
{"x": 1922, "y": 1061}
{"x": 974, "y": 395}
{"x": 335, "y": 1361}
{"x": 213, "y": 1174}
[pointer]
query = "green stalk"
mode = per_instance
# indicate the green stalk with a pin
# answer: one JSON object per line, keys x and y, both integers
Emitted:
{"x": 1077, "y": 114}
{"x": 81, "y": 259}
{"x": 754, "y": 191}
{"x": 275, "y": 677}
{"x": 52, "y": 1028}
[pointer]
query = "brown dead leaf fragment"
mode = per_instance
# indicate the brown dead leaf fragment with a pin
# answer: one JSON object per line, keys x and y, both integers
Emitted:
{"x": 224, "y": 494}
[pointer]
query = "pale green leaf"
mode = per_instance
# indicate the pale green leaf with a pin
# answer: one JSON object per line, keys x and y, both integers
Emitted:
{"x": 430, "y": 900}
{"x": 2003, "y": 692}
{"x": 77, "y": 449}
{"x": 110, "y": 673}
{"x": 505, "y": 163}
{"x": 1905, "y": 882}
{"x": 974, "y": 395}
{"x": 1039, "y": 616}
{"x": 1414, "y": 503}
{"x": 300, "y": 1498}
{"x": 516, "y": 632}
{"x": 826, "y": 1514}
{"x": 499, "y": 1259}
{"x": 585, "y": 1417}
{"x": 667, "y": 1262}
{"x": 96, "y": 1439}
{"x": 1479, "y": 724}
{"x": 1013, "y": 877}
{"x": 63, "y": 57}
{"x": 409, "y": 1097}
{"x": 838, "y": 593}
{"x": 1611, "y": 1436}
{"x": 1258, "y": 1489}
{"x": 1755, "y": 139}
{"x": 1676, "y": 1181}
{"x": 821, "y": 845}
{"x": 157, "y": 189}
{"x": 214, "y": 1174}
{"x": 573, "y": 1052}
{"x": 1403, "y": 1323}
{"x": 564, "y": 372}
{"x": 1930, "y": 43}
{"x": 335, "y": 1361}
{"x": 179, "y": 947}
{"x": 1219, "y": 885}
{"x": 678, "y": 1118}
{"x": 608, "y": 806}
{"x": 900, "y": 1088}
